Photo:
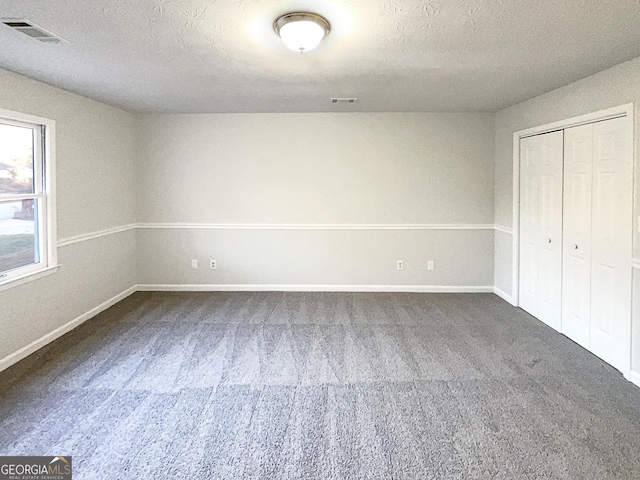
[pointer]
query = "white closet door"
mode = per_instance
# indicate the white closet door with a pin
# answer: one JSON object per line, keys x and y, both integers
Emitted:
{"x": 530, "y": 158}
{"x": 611, "y": 243}
{"x": 541, "y": 226}
{"x": 576, "y": 259}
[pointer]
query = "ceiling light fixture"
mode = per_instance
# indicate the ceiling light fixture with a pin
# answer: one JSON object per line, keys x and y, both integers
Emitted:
{"x": 302, "y": 31}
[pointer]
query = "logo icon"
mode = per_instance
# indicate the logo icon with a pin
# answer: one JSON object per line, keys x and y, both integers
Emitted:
{"x": 35, "y": 468}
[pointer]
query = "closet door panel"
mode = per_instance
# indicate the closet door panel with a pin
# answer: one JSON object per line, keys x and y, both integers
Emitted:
{"x": 576, "y": 291}
{"x": 550, "y": 286}
{"x": 611, "y": 237}
{"x": 530, "y": 154}
{"x": 541, "y": 226}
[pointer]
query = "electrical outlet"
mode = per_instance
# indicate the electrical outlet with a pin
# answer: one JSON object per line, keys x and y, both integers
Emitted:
{"x": 212, "y": 264}
{"x": 194, "y": 264}
{"x": 400, "y": 265}
{"x": 431, "y": 265}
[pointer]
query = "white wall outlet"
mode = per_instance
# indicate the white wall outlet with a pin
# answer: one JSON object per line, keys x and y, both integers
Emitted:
{"x": 194, "y": 264}
{"x": 400, "y": 264}
{"x": 431, "y": 265}
{"x": 212, "y": 264}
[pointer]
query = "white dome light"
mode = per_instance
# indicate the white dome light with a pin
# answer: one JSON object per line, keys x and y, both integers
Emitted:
{"x": 302, "y": 32}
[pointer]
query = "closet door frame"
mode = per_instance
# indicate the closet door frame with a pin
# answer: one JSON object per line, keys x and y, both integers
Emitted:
{"x": 623, "y": 111}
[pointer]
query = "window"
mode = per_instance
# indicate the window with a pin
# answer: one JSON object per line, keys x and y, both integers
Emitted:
{"x": 27, "y": 239}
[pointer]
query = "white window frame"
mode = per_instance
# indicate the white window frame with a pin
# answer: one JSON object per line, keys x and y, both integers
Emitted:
{"x": 44, "y": 191}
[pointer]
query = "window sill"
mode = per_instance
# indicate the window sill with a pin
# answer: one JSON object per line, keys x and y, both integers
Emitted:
{"x": 8, "y": 283}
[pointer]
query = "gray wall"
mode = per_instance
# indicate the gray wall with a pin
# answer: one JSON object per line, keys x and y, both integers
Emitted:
{"x": 617, "y": 86}
{"x": 316, "y": 169}
{"x": 95, "y": 159}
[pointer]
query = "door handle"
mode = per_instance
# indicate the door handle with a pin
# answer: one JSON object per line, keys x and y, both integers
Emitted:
{"x": 548, "y": 240}
{"x": 575, "y": 246}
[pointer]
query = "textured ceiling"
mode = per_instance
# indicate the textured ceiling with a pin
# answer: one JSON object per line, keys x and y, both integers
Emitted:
{"x": 394, "y": 55}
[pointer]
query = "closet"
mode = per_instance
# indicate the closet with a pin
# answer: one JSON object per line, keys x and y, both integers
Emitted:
{"x": 576, "y": 234}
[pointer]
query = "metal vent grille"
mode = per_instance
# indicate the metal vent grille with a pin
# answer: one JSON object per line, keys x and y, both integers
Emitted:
{"x": 31, "y": 30}
{"x": 344, "y": 100}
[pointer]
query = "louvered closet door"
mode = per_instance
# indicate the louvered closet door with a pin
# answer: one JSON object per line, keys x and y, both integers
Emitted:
{"x": 576, "y": 259}
{"x": 541, "y": 226}
{"x": 611, "y": 243}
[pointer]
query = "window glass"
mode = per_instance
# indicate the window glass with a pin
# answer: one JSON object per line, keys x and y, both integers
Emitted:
{"x": 18, "y": 234}
{"x": 16, "y": 160}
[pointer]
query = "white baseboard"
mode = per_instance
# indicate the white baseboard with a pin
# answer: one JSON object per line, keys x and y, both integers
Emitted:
{"x": 634, "y": 377}
{"x": 505, "y": 296}
{"x": 15, "y": 357}
{"x": 310, "y": 288}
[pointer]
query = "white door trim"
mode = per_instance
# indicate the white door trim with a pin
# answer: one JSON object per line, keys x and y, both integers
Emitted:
{"x": 614, "y": 112}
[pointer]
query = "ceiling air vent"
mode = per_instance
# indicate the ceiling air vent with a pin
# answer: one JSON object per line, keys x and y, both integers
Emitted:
{"x": 32, "y": 30}
{"x": 344, "y": 100}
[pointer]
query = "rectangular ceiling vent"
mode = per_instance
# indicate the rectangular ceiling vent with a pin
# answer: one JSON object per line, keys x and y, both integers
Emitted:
{"x": 344, "y": 100}
{"x": 32, "y": 30}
